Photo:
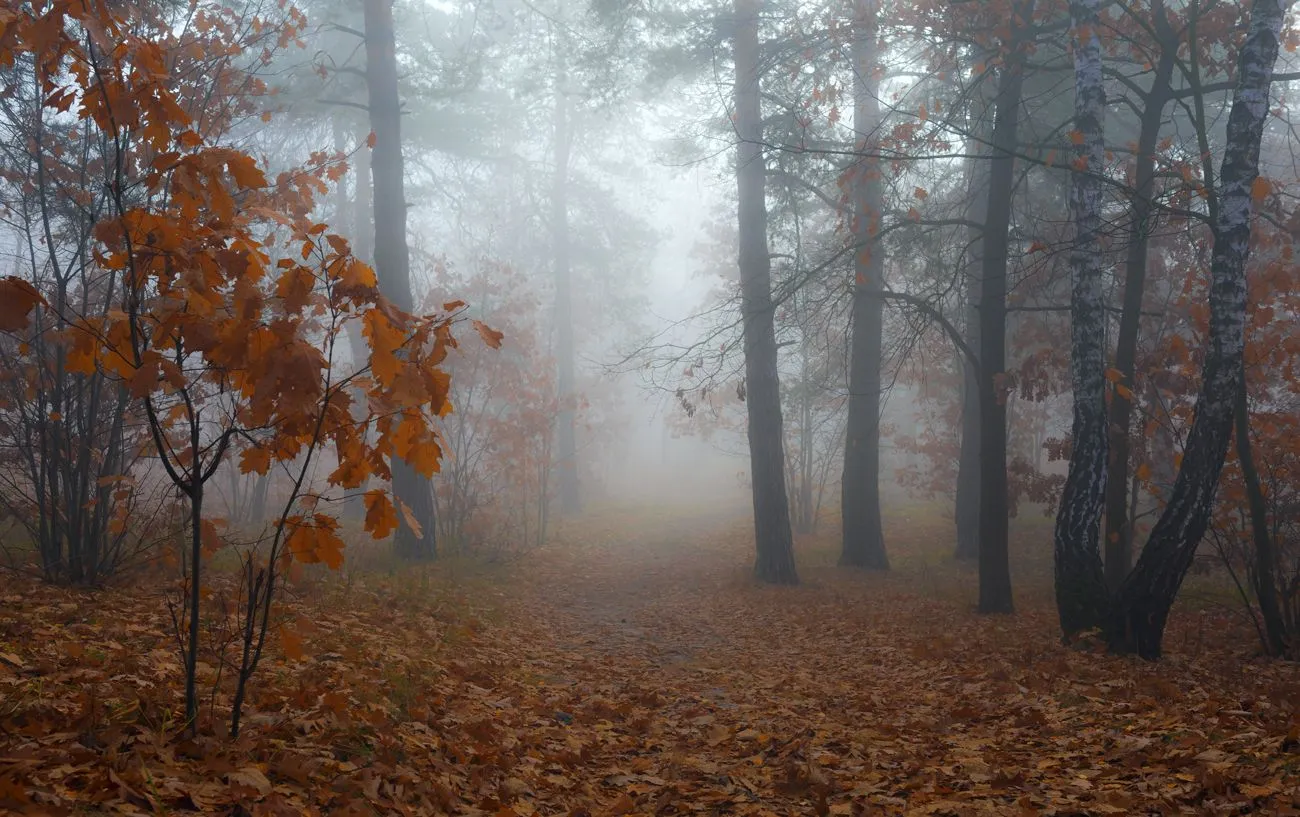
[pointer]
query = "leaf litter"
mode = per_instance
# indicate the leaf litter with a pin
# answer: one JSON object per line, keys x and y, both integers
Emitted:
{"x": 638, "y": 675}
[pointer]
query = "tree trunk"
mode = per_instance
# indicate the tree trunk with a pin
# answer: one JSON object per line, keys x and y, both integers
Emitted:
{"x": 994, "y": 561}
{"x": 772, "y": 537}
{"x": 1081, "y": 596}
{"x": 566, "y": 423}
{"x": 1138, "y": 623}
{"x": 863, "y": 537}
{"x": 967, "y": 501}
{"x": 807, "y": 439}
{"x": 347, "y": 222}
{"x": 1276, "y": 638}
{"x": 1119, "y": 533}
{"x": 392, "y": 256}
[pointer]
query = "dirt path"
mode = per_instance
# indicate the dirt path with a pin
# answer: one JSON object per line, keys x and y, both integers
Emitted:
{"x": 676, "y": 686}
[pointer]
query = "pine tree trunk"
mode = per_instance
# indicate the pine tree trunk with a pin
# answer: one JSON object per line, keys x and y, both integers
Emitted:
{"x": 1081, "y": 595}
{"x": 994, "y": 559}
{"x": 772, "y": 537}
{"x": 1119, "y": 532}
{"x": 566, "y": 423}
{"x": 1138, "y": 623}
{"x": 863, "y": 537}
{"x": 392, "y": 256}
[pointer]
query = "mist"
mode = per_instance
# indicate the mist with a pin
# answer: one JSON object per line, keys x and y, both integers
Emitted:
{"x": 533, "y": 407}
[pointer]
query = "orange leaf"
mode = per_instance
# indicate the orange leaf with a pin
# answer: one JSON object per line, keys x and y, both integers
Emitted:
{"x": 245, "y": 171}
{"x": 409, "y": 516}
{"x": 291, "y": 642}
{"x": 1260, "y": 189}
{"x": 385, "y": 340}
{"x": 17, "y": 300}
{"x": 254, "y": 460}
{"x": 381, "y": 516}
{"x": 490, "y": 336}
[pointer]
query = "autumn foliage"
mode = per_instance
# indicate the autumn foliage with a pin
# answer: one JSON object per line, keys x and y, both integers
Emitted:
{"x": 225, "y": 303}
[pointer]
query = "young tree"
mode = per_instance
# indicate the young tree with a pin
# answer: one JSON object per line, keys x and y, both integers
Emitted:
{"x": 773, "y": 538}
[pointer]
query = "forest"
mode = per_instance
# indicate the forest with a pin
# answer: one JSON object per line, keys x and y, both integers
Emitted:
{"x": 649, "y": 407}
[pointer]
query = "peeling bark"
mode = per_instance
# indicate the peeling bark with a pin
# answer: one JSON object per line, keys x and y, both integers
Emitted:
{"x": 1081, "y": 594}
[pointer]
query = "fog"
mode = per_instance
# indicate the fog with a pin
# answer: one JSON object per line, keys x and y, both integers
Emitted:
{"x": 815, "y": 264}
{"x": 628, "y": 407}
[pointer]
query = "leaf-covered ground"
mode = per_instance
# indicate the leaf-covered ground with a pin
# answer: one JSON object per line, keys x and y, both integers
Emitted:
{"x": 633, "y": 671}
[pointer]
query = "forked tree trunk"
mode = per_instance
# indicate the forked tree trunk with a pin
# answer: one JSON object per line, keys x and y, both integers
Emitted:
{"x": 863, "y": 537}
{"x": 1119, "y": 530}
{"x": 1081, "y": 596}
{"x": 392, "y": 256}
{"x": 1142, "y": 609}
{"x": 994, "y": 559}
{"x": 772, "y": 537}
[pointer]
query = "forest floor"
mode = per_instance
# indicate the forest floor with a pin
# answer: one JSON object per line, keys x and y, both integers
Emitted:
{"x": 633, "y": 668}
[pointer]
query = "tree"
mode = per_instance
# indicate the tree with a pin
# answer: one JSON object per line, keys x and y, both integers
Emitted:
{"x": 231, "y": 304}
{"x": 392, "y": 255}
{"x": 1080, "y": 588}
{"x": 773, "y": 538}
{"x": 1142, "y": 217}
{"x": 566, "y": 423}
{"x": 863, "y": 538}
{"x": 994, "y": 563}
{"x": 1142, "y": 608}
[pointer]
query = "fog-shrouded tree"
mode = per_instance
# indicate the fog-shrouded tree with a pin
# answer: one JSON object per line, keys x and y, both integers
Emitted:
{"x": 773, "y": 537}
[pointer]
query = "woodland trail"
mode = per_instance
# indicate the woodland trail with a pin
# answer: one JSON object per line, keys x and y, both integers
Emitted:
{"x": 853, "y": 694}
{"x": 632, "y": 667}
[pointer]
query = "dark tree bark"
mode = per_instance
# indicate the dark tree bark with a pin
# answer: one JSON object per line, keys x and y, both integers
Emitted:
{"x": 772, "y": 537}
{"x": 1119, "y": 533}
{"x": 1276, "y": 637}
{"x": 566, "y": 423}
{"x": 392, "y": 256}
{"x": 994, "y": 561}
{"x": 1081, "y": 596}
{"x": 863, "y": 537}
{"x": 1142, "y": 610}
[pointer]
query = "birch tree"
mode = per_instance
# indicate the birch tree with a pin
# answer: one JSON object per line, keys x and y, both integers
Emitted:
{"x": 1080, "y": 587}
{"x": 1142, "y": 607}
